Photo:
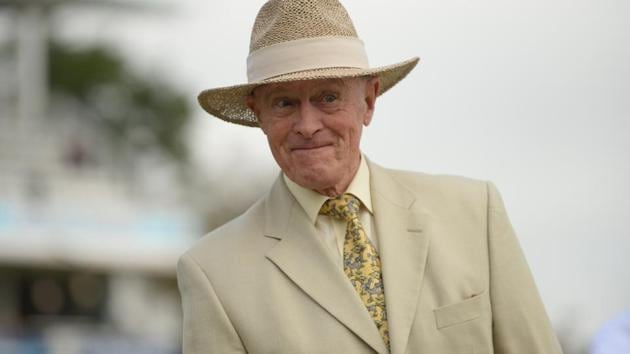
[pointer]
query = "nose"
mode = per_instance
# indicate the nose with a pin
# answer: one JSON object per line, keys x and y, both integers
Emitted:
{"x": 308, "y": 120}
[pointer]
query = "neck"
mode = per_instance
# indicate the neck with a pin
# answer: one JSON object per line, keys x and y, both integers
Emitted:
{"x": 342, "y": 186}
{"x": 332, "y": 191}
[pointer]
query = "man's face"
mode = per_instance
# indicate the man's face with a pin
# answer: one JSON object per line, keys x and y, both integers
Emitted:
{"x": 314, "y": 128}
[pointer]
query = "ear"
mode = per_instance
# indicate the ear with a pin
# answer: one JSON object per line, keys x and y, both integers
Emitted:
{"x": 372, "y": 87}
{"x": 250, "y": 101}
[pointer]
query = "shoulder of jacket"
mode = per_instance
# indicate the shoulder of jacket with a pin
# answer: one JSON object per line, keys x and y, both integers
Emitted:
{"x": 438, "y": 182}
{"x": 231, "y": 235}
{"x": 434, "y": 190}
{"x": 446, "y": 197}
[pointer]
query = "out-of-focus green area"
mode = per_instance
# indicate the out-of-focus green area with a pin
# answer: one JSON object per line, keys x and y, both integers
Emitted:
{"x": 143, "y": 111}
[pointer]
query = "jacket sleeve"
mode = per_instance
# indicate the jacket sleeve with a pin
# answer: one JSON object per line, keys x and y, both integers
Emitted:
{"x": 520, "y": 323}
{"x": 206, "y": 326}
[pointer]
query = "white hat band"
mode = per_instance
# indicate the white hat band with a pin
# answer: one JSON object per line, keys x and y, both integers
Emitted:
{"x": 306, "y": 54}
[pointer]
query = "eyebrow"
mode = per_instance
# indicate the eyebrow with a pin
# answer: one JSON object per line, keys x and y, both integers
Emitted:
{"x": 282, "y": 87}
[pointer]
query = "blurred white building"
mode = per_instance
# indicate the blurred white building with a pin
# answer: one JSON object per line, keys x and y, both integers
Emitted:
{"x": 89, "y": 237}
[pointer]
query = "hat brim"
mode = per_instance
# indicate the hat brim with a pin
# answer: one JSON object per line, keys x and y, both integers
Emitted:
{"x": 228, "y": 103}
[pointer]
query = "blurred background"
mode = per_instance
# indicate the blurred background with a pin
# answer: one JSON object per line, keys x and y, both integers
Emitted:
{"x": 109, "y": 170}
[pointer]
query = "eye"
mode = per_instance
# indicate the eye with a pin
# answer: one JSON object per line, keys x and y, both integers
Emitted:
{"x": 282, "y": 103}
{"x": 329, "y": 98}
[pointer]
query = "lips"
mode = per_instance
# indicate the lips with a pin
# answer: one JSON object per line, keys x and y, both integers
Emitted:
{"x": 307, "y": 147}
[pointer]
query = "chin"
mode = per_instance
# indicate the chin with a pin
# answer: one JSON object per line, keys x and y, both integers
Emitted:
{"x": 313, "y": 178}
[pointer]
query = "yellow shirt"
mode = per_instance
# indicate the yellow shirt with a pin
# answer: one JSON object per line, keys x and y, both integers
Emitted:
{"x": 333, "y": 231}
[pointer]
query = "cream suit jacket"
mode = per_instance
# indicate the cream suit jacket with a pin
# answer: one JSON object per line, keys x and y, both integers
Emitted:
{"x": 455, "y": 278}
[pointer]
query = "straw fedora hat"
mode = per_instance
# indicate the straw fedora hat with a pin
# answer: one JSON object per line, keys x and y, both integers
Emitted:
{"x": 296, "y": 40}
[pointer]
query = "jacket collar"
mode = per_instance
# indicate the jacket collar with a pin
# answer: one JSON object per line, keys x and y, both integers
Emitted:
{"x": 403, "y": 236}
{"x": 403, "y": 230}
{"x": 312, "y": 201}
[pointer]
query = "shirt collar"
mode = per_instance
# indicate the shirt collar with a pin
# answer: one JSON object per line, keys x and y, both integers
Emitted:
{"x": 312, "y": 201}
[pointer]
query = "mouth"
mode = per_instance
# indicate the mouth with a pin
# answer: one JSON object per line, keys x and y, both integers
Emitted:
{"x": 307, "y": 148}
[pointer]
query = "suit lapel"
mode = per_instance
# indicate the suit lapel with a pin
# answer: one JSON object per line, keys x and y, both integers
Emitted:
{"x": 302, "y": 256}
{"x": 403, "y": 236}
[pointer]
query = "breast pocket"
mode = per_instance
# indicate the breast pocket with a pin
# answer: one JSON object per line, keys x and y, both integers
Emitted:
{"x": 467, "y": 325}
{"x": 461, "y": 312}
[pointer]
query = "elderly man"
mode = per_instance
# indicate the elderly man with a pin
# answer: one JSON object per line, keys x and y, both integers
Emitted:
{"x": 342, "y": 255}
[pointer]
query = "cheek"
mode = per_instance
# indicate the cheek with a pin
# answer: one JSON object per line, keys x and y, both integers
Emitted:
{"x": 351, "y": 134}
{"x": 355, "y": 139}
{"x": 277, "y": 133}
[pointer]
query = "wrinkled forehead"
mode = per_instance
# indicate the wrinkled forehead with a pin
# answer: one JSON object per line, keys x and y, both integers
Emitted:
{"x": 296, "y": 87}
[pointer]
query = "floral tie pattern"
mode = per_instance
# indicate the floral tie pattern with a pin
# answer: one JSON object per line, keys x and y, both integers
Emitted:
{"x": 361, "y": 262}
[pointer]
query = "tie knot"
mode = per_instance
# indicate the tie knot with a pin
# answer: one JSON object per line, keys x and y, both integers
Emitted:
{"x": 344, "y": 207}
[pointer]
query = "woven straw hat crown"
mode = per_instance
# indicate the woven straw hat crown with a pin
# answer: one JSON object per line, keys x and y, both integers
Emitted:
{"x": 299, "y": 40}
{"x": 286, "y": 20}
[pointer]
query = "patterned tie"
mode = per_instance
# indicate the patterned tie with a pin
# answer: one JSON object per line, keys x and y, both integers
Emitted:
{"x": 360, "y": 259}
